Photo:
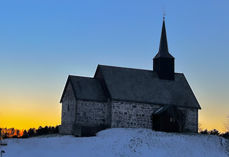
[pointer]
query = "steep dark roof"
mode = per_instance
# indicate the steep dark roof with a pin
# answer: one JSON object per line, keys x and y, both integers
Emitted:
{"x": 135, "y": 85}
{"x": 138, "y": 85}
{"x": 163, "y": 48}
{"x": 86, "y": 88}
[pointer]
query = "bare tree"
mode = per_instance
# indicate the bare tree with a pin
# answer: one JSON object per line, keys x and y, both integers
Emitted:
{"x": 227, "y": 124}
{"x": 0, "y": 136}
{"x": 200, "y": 129}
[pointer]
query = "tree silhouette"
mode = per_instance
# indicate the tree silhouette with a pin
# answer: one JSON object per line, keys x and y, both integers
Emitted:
{"x": 18, "y": 133}
{"x": 15, "y": 133}
{"x": 31, "y": 132}
{"x": 227, "y": 124}
{"x": 214, "y": 132}
{"x": 25, "y": 134}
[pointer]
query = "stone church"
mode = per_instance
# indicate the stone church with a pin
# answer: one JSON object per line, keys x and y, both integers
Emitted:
{"x": 118, "y": 97}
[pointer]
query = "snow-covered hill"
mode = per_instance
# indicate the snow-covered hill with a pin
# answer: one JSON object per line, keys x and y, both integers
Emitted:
{"x": 119, "y": 143}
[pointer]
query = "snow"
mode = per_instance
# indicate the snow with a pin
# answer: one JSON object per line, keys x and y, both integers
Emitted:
{"x": 119, "y": 143}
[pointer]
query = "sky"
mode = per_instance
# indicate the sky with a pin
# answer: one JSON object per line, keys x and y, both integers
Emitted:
{"x": 43, "y": 41}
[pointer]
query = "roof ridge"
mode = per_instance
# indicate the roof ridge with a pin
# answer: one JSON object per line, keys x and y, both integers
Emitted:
{"x": 124, "y": 67}
{"x": 100, "y": 65}
{"x": 86, "y": 77}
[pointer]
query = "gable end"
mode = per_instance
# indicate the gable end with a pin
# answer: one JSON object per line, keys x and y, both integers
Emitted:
{"x": 69, "y": 82}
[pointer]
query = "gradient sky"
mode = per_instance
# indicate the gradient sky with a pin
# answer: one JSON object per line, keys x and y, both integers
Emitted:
{"x": 43, "y": 41}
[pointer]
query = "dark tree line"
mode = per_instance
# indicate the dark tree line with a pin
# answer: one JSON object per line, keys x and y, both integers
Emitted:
{"x": 32, "y": 132}
{"x": 215, "y": 132}
{"x": 40, "y": 131}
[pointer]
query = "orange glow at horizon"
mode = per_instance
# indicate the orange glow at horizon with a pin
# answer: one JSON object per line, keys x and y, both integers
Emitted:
{"x": 12, "y": 132}
{"x": 30, "y": 114}
{"x": 24, "y": 123}
{"x": 43, "y": 111}
{"x": 33, "y": 119}
{"x": 27, "y": 120}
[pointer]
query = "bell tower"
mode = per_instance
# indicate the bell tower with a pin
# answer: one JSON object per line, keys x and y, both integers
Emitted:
{"x": 163, "y": 62}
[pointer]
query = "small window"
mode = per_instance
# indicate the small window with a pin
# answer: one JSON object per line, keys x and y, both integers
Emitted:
{"x": 68, "y": 107}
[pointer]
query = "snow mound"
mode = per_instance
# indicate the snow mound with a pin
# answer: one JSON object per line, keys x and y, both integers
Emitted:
{"x": 120, "y": 143}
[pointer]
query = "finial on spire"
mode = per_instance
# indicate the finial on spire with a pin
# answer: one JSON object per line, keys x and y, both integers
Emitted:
{"x": 164, "y": 15}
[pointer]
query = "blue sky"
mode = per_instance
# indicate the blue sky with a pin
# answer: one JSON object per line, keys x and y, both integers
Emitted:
{"x": 43, "y": 41}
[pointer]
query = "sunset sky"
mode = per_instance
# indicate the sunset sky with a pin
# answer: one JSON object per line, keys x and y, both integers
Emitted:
{"x": 43, "y": 41}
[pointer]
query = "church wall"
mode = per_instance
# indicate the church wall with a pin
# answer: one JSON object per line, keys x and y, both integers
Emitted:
{"x": 68, "y": 111}
{"x": 91, "y": 113}
{"x": 91, "y": 117}
{"x": 132, "y": 115}
{"x": 113, "y": 114}
{"x": 191, "y": 119}
{"x": 138, "y": 115}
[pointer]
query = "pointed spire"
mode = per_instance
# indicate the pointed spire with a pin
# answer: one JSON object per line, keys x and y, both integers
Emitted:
{"x": 163, "y": 49}
{"x": 163, "y": 43}
{"x": 163, "y": 62}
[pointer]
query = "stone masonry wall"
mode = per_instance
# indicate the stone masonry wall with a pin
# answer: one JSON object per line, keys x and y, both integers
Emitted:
{"x": 138, "y": 115}
{"x": 68, "y": 111}
{"x": 90, "y": 113}
{"x": 114, "y": 114}
{"x": 191, "y": 119}
{"x": 132, "y": 115}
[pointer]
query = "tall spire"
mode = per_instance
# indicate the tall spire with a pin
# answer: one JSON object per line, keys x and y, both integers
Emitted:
{"x": 163, "y": 62}
{"x": 163, "y": 48}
